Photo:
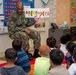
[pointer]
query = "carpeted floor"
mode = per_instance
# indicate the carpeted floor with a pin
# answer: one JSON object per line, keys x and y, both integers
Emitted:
{"x": 32, "y": 70}
{"x": 2, "y": 58}
{"x": 32, "y": 66}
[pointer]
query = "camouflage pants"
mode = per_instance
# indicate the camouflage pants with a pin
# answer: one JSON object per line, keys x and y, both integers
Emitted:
{"x": 25, "y": 39}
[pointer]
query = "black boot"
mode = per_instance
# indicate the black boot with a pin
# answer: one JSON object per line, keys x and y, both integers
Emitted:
{"x": 36, "y": 54}
{"x": 29, "y": 55}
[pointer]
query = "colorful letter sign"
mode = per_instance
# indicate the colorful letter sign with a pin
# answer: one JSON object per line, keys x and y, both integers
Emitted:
{"x": 39, "y": 12}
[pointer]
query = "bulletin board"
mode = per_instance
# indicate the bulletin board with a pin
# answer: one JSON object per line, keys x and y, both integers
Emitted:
{"x": 6, "y": 7}
{"x": 10, "y": 5}
{"x": 72, "y": 12}
{"x": 63, "y": 12}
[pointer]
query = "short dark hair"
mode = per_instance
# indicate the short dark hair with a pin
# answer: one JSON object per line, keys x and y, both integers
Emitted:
{"x": 10, "y": 54}
{"x": 63, "y": 39}
{"x": 70, "y": 46}
{"x": 56, "y": 56}
{"x": 68, "y": 35}
{"x": 51, "y": 41}
{"x": 16, "y": 44}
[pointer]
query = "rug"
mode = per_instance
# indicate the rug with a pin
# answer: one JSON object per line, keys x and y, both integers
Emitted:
{"x": 32, "y": 62}
{"x": 2, "y": 58}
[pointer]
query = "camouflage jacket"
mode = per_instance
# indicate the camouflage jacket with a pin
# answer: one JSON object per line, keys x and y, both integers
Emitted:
{"x": 18, "y": 23}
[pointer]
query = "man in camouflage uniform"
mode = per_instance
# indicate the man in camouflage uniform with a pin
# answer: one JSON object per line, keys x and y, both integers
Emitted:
{"x": 18, "y": 28}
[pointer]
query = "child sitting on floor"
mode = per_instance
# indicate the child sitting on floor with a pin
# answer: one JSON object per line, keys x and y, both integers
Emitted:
{"x": 10, "y": 68}
{"x": 56, "y": 58}
{"x": 51, "y": 42}
{"x": 72, "y": 68}
{"x": 70, "y": 47}
{"x": 42, "y": 64}
{"x": 23, "y": 59}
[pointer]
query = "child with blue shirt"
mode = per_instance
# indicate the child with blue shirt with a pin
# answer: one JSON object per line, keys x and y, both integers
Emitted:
{"x": 70, "y": 47}
{"x": 23, "y": 59}
{"x": 72, "y": 68}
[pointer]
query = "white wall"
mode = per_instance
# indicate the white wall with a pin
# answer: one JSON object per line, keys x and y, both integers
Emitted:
{"x": 5, "y": 41}
{"x": 44, "y": 35}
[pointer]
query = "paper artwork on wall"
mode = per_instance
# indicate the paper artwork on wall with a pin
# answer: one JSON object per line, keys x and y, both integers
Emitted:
{"x": 54, "y": 7}
{"x": 72, "y": 4}
{"x": 54, "y": 16}
{"x": 52, "y": 10}
{"x": 1, "y": 6}
{"x": 73, "y": 12}
{"x": 39, "y": 12}
{"x": 74, "y": 18}
{"x": 1, "y": 21}
{"x": 51, "y": 1}
{"x": 71, "y": 20}
{"x": 39, "y": 25}
{"x": 30, "y": 0}
{"x": 45, "y": 1}
{"x": 3, "y": 30}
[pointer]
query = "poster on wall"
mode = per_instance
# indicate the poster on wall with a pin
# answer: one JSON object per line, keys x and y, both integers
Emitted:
{"x": 10, "y": 5}
{"x": 38, "y": 12}
{"x": 73, "y": 12}
{"x": 1, "y": 6}
{"x": 6, "y": 7}
{"x": 1, "y": 14}
{"x": 40, "y": 26}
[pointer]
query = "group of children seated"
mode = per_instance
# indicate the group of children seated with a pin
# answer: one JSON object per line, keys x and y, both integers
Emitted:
{"x": 49, "y": 62}
{"x": 16, "y": 57}
{"x": 68, "y": 47}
